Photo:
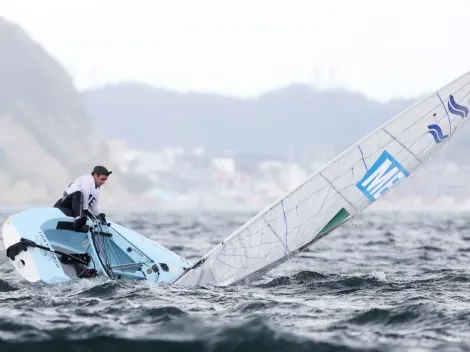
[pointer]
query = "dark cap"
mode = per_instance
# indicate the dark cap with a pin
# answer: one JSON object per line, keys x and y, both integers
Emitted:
{"x": 101, "y": 170}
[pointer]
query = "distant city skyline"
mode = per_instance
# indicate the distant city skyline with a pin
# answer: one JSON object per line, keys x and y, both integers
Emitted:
{"x": 383, "y": 49}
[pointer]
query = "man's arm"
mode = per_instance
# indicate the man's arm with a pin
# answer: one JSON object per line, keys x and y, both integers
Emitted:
{"x": 85, "y": 187}
{"x": 95, "y": 208}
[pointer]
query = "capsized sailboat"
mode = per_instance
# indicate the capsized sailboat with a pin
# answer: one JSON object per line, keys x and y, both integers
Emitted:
{"x": 43, "y": 246}
{"x": 337, "y": 192}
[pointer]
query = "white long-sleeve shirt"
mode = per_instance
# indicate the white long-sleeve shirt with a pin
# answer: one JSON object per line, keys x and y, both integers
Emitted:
{"x": 91, "y": 193}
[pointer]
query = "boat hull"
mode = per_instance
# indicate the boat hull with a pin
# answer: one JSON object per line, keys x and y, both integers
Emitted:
{"x": 39, "y": 241}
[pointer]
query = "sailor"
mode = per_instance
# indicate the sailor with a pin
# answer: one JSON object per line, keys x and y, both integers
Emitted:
{"x": 81, "y": 199}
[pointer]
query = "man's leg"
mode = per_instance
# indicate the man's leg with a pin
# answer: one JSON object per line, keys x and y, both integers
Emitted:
{"x": 72, "y": 205}
{"x": 77, "y": 204}
{"x": 64, "y": 205}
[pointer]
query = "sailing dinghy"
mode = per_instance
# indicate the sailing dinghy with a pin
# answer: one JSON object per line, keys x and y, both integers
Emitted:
{"x": 42, "y": 245}
{"x": 340, "y": 190}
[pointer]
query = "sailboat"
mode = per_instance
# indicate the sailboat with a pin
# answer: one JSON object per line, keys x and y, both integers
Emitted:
{"x": 43, "y": 246}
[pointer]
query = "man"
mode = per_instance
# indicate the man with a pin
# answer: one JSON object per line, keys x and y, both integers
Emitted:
{"x": 81, "y": 199}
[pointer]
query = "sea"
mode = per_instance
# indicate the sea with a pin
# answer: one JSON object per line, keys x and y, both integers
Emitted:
{"x": 387, "y": 281}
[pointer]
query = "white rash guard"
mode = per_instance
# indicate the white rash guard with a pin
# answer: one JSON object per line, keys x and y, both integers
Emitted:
{"x": 91, "y": 193}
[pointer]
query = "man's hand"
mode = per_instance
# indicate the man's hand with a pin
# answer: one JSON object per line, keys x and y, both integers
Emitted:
{"x": 102, "y": 218}
{"x": 88, "y": 214}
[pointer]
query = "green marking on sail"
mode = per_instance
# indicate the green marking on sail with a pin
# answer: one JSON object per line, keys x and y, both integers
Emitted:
{"x": 335, "y": 221}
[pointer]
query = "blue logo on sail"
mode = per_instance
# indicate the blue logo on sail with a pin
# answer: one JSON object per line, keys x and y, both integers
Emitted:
{"x": 457, "y": 109}
{"x": 436, "y": 132}
{"x": 382, "y": 176}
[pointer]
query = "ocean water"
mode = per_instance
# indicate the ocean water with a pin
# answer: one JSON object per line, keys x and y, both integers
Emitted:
{"x": 388, "y": 281}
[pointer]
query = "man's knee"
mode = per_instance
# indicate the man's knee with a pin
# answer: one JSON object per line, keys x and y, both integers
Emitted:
{"x": 58, "y": 203}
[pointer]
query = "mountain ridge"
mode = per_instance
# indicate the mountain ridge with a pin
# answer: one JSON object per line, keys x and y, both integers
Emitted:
{"x": 151, "y": 118}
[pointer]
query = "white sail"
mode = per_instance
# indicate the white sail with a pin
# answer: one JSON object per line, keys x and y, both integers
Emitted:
{"x": 341, "y": 189}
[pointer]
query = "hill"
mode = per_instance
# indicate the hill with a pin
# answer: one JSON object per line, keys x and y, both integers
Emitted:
{"x": 46, "y": 138}
{"x": 295, "y": 118}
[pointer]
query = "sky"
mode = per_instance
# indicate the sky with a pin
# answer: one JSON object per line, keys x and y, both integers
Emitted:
{"x": 383, "y": 49}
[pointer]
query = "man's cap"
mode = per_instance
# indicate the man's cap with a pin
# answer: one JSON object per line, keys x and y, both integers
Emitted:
{"x": 101, "y": 170}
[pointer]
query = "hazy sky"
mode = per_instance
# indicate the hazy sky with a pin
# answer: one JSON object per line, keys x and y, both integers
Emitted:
{"x": 382, "y": 48}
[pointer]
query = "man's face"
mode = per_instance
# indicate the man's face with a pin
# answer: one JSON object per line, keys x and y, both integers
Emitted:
{"x": 100, "y": 179}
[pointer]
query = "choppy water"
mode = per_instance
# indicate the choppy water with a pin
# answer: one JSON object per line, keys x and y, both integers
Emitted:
{"x": 386, "y": 282}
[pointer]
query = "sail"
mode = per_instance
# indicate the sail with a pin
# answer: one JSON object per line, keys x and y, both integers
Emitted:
{"x": 334, "y": 194}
